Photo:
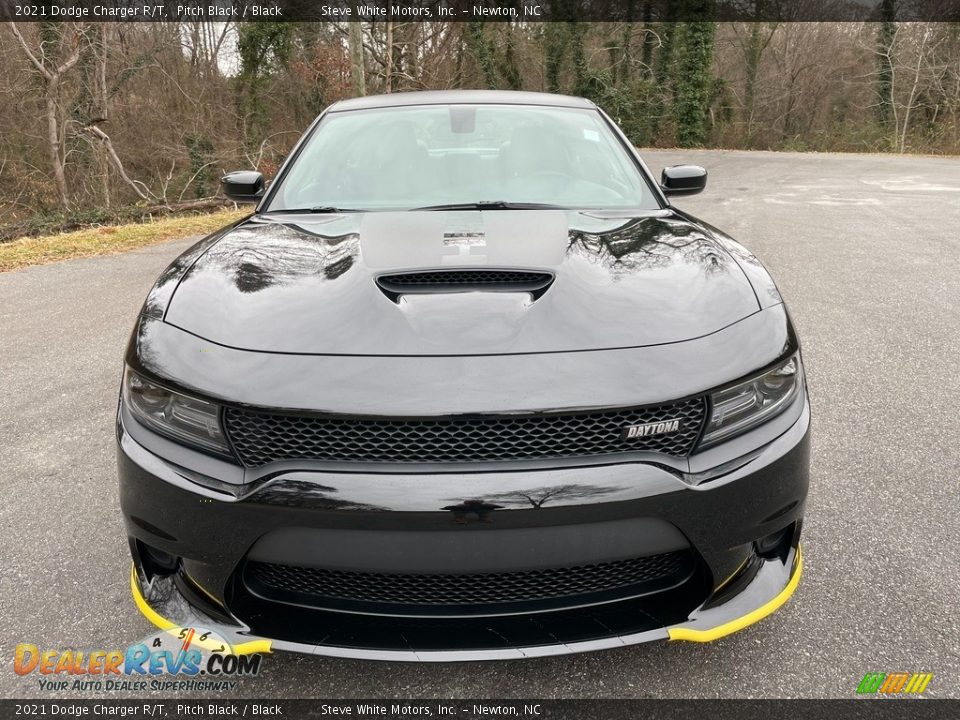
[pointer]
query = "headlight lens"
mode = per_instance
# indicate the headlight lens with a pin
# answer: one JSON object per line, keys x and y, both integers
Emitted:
{"x": 739, "y": 408}
{"x": 189, "y": 420}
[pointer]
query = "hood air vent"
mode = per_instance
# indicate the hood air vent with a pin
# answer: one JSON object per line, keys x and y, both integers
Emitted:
{"x": 464, "y": 280}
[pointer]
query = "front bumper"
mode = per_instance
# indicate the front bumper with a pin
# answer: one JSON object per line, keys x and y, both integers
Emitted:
{"x": 370, "y": 522}
{"x": 162, "y": 601}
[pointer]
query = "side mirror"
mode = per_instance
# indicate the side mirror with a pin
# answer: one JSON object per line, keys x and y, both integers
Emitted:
{"x": 244, "y": 186}
{"x": 683, "y": 180}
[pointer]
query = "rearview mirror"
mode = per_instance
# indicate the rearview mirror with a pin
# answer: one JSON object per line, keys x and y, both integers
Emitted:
{"x": 244, "y": 186}
{"x": 683, "y": 180}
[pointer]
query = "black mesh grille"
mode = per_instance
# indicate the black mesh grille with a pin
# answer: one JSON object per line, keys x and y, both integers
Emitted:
{"x": 473, "y": 589}
{"x": 261, "y": 438}
{"x": 465, "y": 277}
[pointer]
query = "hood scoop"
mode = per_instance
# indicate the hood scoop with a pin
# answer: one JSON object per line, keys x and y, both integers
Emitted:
{"x": 458, "y": 280}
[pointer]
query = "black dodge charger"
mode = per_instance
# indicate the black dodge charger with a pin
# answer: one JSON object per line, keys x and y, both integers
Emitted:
{"x": 465, "y": 385}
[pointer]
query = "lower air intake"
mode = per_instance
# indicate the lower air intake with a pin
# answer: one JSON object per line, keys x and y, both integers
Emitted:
{"x": 321, "y": 587}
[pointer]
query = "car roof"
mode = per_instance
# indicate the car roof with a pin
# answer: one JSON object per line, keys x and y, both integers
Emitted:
{"x": 460, "y": 97}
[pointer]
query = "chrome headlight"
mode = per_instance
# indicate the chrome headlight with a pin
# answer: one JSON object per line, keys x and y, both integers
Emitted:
{"x": 179, "y": 417}
{"x": 739, "y": 408}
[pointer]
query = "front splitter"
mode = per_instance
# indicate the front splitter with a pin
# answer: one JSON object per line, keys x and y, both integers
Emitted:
{"x": 162, "y": 604}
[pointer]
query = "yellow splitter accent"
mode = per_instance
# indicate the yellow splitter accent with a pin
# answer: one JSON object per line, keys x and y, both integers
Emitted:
{"x": 247, "y": 648}
{"x": 728, "y": 628}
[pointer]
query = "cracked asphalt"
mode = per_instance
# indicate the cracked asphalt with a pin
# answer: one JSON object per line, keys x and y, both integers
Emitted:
{"x": 866, "y": 251}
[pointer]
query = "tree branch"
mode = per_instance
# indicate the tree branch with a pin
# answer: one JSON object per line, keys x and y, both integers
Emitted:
{"x": 138, "y": 187}
{"x": 33, "y": 58}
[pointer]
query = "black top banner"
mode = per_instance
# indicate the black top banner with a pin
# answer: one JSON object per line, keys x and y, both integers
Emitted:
{"x": 527, "y": 11}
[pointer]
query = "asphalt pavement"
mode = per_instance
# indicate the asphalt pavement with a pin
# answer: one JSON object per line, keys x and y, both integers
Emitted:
{"x": 866, "y": 251}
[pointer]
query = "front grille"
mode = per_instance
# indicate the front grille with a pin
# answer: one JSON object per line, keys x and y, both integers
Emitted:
{"x": 317, "y": 585}
{"x": 261, "y": 438}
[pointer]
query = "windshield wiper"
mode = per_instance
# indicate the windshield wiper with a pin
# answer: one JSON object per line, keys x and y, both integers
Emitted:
{"x": 492, "y": 205}
{"x": 318, "y": 210}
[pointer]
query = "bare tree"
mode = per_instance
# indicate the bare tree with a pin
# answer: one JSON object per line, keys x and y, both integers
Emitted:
{"x": 753, "y": 42}
{"x": 357, "y": 69}
{"x": 388, "y": 53}
{"x": 910, "y": 74}
{"x": 51, "y": 74}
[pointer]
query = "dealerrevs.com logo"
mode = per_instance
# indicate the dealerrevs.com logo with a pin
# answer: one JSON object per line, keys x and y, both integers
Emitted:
{"x": 178, "y": 659}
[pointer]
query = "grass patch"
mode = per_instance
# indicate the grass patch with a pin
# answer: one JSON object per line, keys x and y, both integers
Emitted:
{"x": 109, "y": 239}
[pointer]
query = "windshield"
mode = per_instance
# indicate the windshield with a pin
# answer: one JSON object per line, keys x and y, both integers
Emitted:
{"x": 440, "y": 155}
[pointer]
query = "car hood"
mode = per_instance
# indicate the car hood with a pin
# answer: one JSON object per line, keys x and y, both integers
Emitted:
{"x": 306, "y": 284}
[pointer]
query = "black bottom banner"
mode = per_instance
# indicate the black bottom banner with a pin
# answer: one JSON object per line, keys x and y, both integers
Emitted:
{"x": 887, "y": 709}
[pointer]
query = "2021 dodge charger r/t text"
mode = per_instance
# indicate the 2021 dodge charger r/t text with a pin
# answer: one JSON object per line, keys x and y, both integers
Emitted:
{"x": 465, "y": 385}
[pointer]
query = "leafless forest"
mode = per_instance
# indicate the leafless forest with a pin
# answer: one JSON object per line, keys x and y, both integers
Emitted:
{"x": 98, "y": 120}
